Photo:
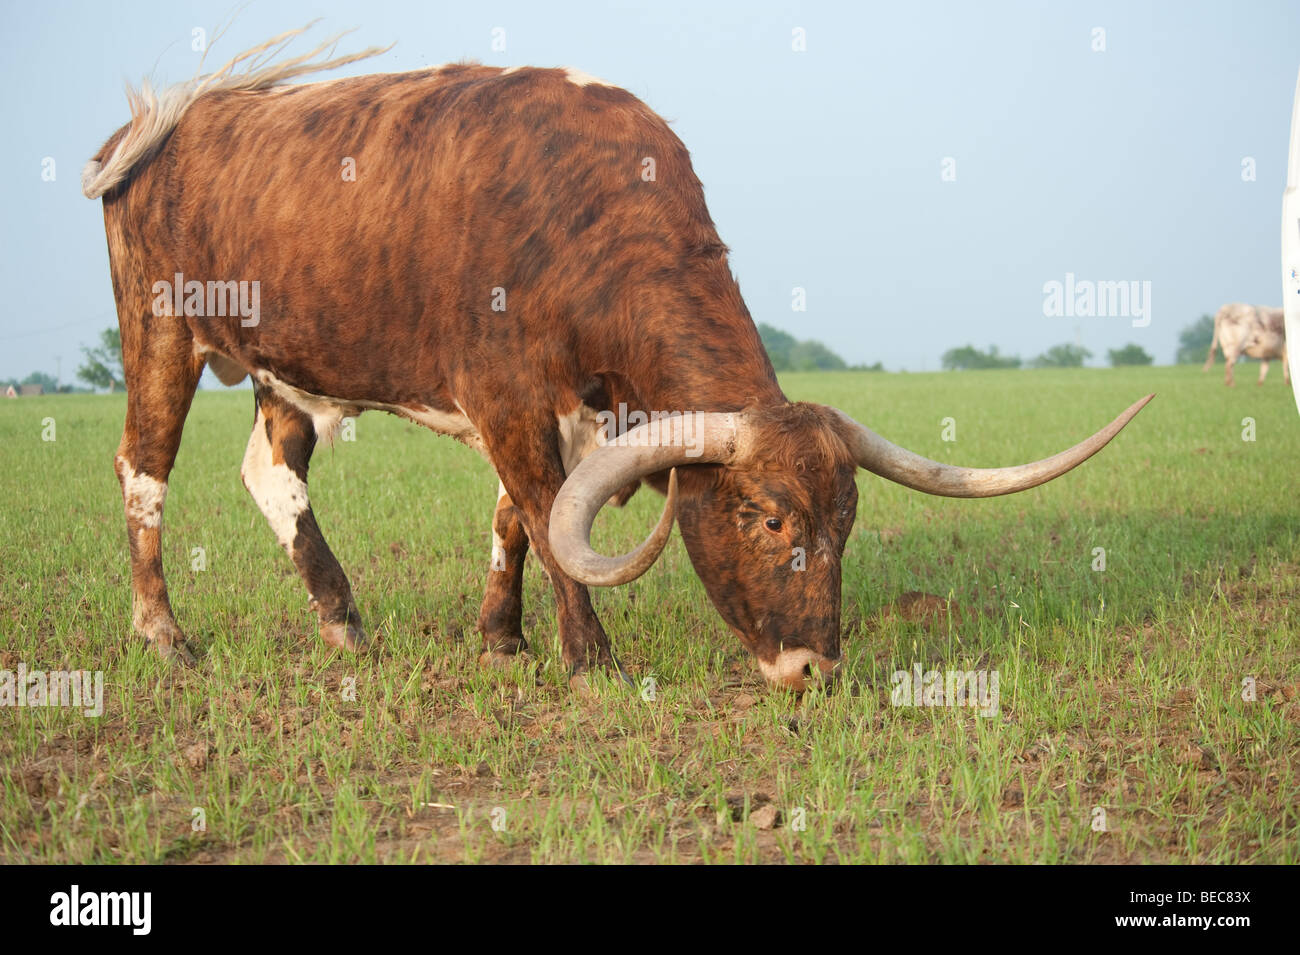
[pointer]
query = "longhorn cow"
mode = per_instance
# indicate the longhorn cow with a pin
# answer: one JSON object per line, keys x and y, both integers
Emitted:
{"x": 504, "y": 256}
{"x": 1254, "y": 330}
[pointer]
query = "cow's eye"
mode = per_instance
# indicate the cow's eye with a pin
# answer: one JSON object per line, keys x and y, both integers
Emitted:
{"x": 773, "y": 524}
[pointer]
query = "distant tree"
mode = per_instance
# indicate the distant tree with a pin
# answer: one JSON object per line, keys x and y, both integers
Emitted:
{"x": 103, "y": 367}
{"x": 1194, "y": 341}
{"x": 1129, "y": 355}
{"x": 46, "y": 382}
{"x": 878, "y": 366}
{"x": 788, "y": 353}
{"x": 778, "y": 344}
{"x": 970, "y": 358}
{"x": 1062, "y": 356}
{"x": 814, "y": 356}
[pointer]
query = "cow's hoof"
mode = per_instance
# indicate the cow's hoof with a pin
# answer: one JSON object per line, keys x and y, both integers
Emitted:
{"x": 581, "y": 687}
{"x": 500, "y": 659}
{"x": 586, "y": 684}
{"x": 344, "y": 635}
{"x": 166, "y": 639}
{"x": 501, "y": 651}
{"x": 582, "y": 679}
{"x": 175, "y": 652}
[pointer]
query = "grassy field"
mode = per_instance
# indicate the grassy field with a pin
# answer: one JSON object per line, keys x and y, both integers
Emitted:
{"x": 1121, "y": 691}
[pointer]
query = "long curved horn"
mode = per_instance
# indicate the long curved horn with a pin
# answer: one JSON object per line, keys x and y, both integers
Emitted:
{"x": 911, "y": 470}
{"x": 693, "y": 438}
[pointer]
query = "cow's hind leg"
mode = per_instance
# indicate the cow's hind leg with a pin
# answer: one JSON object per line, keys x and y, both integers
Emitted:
{"x": 500, "y": 619}
{"x": 275, "y": 473}
{"x": 1263, "y": 371}
{"x": 161, "y": 373}
{"x": 1229, "y": 359}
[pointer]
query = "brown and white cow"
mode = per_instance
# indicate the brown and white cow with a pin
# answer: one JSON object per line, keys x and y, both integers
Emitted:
{"x": 1255, "y": 330}
{"x": 503, "y": 256}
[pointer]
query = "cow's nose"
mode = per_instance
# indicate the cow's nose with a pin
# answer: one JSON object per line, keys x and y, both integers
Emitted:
{"x": 800, "y": 668}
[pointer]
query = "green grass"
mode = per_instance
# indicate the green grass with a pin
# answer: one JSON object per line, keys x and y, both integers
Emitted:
{"x": 1120, "y": 690}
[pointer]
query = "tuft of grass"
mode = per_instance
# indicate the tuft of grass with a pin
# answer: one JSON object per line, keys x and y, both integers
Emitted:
{"x": 1124, "y": 693}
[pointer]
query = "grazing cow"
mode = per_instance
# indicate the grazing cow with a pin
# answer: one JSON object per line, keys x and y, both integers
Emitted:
{"x": 519, "y": 258}
{"x": 1254, "y": 330}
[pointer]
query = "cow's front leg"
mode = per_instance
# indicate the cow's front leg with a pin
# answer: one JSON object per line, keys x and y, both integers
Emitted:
{"x": 500, "y": 619}
{"x": 532, "y": 476}
{"x": 1263, "y": 371}
{"x": 1230, "y": 359}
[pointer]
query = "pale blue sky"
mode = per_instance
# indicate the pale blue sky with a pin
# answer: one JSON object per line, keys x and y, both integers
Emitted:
{"x": 821, "y": 168}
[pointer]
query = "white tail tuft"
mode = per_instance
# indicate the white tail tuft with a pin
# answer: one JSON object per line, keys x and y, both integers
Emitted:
{"x": 155, "y": 115}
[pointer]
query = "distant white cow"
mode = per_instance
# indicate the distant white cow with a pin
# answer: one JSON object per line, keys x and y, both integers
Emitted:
{"x": 1255, "y": 330}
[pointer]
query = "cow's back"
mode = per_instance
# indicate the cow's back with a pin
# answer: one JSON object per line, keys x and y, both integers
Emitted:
{"x": 410, "y": 205}
{"x": 1273, "y": 320}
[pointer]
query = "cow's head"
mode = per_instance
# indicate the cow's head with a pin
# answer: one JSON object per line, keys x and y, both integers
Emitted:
{"x": 765, "y": 533}
{"x": 766, "y": 499}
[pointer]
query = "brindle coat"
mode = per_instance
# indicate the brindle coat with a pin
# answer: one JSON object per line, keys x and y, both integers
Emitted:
{"x": 379, "y": 293}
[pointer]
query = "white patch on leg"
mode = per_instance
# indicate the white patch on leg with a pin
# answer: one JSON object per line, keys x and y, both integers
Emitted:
{"x": 498, "y": 545}
{"x": 144, "y": 496}
{"x": 279, "y": 493}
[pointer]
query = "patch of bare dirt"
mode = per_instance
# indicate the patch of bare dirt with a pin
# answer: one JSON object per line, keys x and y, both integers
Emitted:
{"x": 917, "y": 607}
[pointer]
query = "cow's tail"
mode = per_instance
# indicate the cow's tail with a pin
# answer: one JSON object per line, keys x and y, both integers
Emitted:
{"x": 1214, "y": 342}
{"x": 155, "y": 114}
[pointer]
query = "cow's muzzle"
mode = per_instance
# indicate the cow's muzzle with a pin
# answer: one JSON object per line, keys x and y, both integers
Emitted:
{"x": 800, "y": 669}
